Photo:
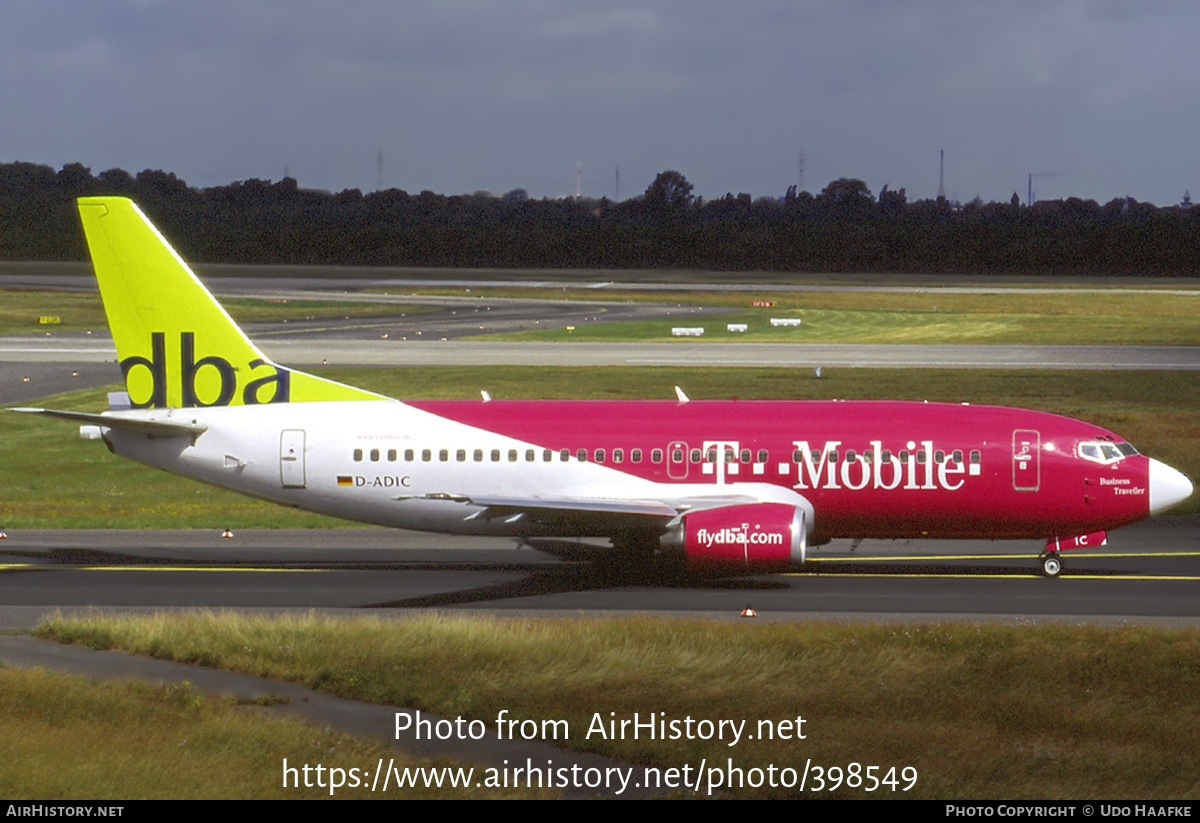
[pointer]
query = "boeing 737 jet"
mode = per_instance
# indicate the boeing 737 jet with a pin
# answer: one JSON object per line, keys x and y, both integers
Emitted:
{"x": 739, "y": 484}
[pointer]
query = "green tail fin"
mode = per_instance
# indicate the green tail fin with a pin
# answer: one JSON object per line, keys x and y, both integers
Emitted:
{"x": 177, "y": 346}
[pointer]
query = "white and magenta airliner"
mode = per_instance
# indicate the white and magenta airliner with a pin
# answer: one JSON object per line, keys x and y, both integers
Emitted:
{"x": 734, "y": 484}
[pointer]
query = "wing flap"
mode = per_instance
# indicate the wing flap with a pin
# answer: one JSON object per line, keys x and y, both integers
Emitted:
{"x": 590, "y": 514}
{"x": 652, "y": 508}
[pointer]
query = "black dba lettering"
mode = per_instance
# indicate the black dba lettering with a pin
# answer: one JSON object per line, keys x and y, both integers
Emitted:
{"x": 157, "y": 366}
{"x": 282, "y": 378}
{"x": 190, "y": 367}
{"x": 272, "y": 387}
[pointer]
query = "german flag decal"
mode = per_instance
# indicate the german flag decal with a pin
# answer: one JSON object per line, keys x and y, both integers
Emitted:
{"x": 345, "y": 480}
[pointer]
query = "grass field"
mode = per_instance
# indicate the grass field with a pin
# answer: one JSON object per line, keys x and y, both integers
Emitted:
{"x": 83, "y": 311}
{"x": 70, "y": 738}
{"x": 1050, "y": 318}
{"x": 45, "y": 470}
{"x": 973, "y": 711}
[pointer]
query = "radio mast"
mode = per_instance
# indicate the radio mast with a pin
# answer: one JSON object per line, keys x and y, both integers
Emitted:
{"x": 942, "y": 175}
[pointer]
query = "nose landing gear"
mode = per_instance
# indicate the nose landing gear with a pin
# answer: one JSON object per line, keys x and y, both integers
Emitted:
{"x": 1051, "y": 563}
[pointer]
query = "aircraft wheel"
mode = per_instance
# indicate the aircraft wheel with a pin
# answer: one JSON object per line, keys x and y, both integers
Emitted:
{"x": 1051, "y": 564}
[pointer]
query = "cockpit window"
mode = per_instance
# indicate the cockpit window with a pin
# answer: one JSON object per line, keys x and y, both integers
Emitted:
{"x": 1104, "y": 452}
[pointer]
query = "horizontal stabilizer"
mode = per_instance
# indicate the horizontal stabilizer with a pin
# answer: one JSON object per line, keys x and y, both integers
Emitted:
{"x": 160, "y": 428}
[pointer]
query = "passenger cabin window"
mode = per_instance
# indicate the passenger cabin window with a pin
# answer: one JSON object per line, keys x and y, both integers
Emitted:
{"x": 374, "y": 455}
{"x": 618, "y": 455}
{"x": 564, "y": 455}
{"x": 976, "y": 457}
{"x": 495, "y": 455}
{"x": 656, "y": 456}
{"x": 512, "y": 455}
{"x": 762, "y": 455}
{"x": 478, "y": 455}
{"x": 426, "y": 455}
{"x": 695, "y": 455}
{"x": 358, "y": 455}
{"x": 599, "y": 455}
{"x": 635, "y": 456}
{"x": 581, "y": 455}
{"x": 444, "y": 455}
{"x": 745, "y": 456}
{"x": 547, "y": 456}
{"x": 529, "y": 456}
{"x": 391, "y": 455}
{"x": 461, "y": 455}
{"x": 408, "y": 455}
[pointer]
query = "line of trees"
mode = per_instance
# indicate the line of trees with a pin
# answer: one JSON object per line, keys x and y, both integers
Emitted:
{"x": 844, "y": 228}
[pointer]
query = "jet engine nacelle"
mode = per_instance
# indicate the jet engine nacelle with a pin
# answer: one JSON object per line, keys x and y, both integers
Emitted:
{"x": 753, "y": 536}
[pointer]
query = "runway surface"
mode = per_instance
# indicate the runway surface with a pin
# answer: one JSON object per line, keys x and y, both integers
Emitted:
{"x": 1149, "y": 572}
{"x": 32, "y": 367}
{"x": 371, "y": 348}
{"x": 37, "y": 367}
{"x": 222, "y": 277}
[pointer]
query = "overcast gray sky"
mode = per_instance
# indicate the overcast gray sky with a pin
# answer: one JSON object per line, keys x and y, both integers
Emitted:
{"x": 464, "y": 95}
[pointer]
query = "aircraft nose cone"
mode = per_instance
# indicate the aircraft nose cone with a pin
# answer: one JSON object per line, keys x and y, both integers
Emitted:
{"x": 1167, "y": 487}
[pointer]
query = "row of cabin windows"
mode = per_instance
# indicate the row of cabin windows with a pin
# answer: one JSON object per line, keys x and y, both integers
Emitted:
{"x": 514, "y": 455}
{"x": 656, "y": 456}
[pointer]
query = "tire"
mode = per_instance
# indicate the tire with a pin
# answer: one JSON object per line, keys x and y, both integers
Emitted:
{"x": 1051, "y": 564}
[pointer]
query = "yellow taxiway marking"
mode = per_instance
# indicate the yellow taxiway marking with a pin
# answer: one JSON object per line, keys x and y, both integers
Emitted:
{"x": 940, "y": 557}
{"x": 1014, "y": 574}
{"x": 89, "y": 568}
{"x": 1124, "y": 578}
{"x": 190, "y": 569}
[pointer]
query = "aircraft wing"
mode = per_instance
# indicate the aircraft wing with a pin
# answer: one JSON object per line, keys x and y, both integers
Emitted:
{"x": 604, "y": 513}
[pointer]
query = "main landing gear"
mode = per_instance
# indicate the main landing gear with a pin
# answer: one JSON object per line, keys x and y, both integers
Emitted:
{"x": 1051, "y": 564}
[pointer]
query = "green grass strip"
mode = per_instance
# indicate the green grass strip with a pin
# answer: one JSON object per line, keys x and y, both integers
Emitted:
{"x": 67, "y": 738}
{"x": 978, "y": 710}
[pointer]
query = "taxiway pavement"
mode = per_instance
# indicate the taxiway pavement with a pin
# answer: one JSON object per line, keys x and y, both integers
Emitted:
{"x": 1148, "y": 572}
